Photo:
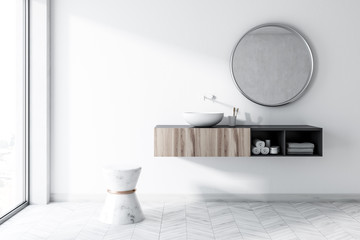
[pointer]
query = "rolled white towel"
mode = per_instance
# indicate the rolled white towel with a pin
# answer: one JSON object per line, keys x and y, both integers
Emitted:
{"x": 300, "y": 145}
{"x": 265, "y": 150}
{"x": 255, "y": 150}
{"x": 259, "y": 143}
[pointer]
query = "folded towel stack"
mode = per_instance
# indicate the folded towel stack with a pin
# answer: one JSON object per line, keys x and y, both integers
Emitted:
{"x": 259, "y": 147}
{"x": 300, "y": 148}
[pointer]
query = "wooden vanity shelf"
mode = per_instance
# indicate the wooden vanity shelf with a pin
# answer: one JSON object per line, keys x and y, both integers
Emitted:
{"x": 224, "y": 141}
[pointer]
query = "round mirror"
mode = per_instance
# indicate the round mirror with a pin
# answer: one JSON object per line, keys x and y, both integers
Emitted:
{"x": 272, "y": 65}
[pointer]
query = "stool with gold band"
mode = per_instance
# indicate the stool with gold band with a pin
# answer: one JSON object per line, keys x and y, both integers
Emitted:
{"x": 121, "y": 204}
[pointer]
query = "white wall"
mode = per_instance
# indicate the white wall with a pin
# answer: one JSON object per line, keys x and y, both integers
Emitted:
{"x": 39, "y": 147}
{"x": 121, "y": 67}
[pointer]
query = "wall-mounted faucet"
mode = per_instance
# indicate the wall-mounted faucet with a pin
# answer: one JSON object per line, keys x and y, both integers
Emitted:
{"x": 212, "y": 98}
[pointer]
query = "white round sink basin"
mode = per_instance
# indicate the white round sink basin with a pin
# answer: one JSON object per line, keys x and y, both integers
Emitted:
{"x": 203, "y": 119}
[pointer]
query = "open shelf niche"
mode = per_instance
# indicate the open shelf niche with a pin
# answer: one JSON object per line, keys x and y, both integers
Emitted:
{"x": 281, "y": 135}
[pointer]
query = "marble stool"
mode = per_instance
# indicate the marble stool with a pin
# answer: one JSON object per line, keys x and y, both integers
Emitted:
{"x": 121, "y": 204}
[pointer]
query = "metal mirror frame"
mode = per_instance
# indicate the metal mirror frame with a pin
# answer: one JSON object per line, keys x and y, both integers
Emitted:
{"x": 291, "y": 29}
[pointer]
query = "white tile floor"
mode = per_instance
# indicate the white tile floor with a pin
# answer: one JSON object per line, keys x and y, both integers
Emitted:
{"x": 192, "y": 220}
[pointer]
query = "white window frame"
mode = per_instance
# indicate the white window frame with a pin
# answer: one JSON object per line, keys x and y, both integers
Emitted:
{"x": 37, "y": 104}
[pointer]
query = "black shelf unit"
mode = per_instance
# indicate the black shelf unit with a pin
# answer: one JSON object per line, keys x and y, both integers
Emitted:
{"x": 280, "y": 135}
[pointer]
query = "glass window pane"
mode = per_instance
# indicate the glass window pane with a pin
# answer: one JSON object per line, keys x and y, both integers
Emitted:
{"x": 12, "y": 107}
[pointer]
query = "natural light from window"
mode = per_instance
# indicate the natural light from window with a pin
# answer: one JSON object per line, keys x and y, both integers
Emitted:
{"x": 12, "y": 107}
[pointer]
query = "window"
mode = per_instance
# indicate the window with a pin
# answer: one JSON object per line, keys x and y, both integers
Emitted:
{"x": 13, "y": 107}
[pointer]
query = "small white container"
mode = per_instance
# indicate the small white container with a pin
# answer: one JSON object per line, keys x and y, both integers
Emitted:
{"x": 274, "y": 150}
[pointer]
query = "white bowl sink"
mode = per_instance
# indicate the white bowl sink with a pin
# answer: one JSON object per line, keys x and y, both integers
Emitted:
{"x": 203, "y": 119}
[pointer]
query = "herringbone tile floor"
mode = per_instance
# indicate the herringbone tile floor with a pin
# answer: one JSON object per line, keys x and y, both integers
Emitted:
{"x": 191, "y": 220}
